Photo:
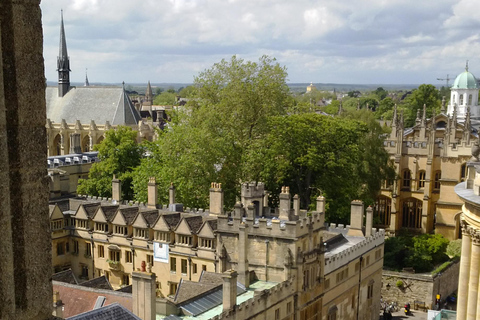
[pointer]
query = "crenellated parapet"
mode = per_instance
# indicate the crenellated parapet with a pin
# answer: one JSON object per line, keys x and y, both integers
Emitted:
{"x": 350, "y": 253}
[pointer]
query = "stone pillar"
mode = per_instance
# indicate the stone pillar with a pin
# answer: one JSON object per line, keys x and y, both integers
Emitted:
{"x": 229, "y": 289}
{"x": 356, "y": 219}
{"x": 369, "y": 222}
{"x": 296, "y": 204}
{"x": 284, "y": 206}
{"x": 75, "y": 146}
{"x": 152, "y": 193}
{"x": 144, "y": 295}
{"x": 116, "y": 189}
{"x": 171, "y": 194}
{"x": 321, "y": 204}
{"x": 216, "y": 199}
{"x": 251, "y": 211}
{"x": 25, "y": 250}
{"x": 464, "y": 275}
{"x": 473, "y": 285}
{"x": 243, "y": 273}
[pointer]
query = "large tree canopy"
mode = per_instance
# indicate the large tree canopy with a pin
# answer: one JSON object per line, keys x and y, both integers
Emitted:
{"x": 119, "y": 154}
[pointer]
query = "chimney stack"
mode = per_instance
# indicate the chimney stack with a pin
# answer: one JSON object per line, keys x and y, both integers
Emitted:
{"x": 216, "y": 199}
{"x": 369, "y": 222}
{"x": 284, "y": 203}
{"x": 57, "y": 305}
{"x": 144, "y": 294}
{"x": 356, "y": 219}
{"x": 171, "y": 194}
{"x": 243, "y": 273}
{"x": 152, "y": 193}
{"x": 296, "y": 204}
{"x": 229, "y": 289}
{"x": 116, "y": 189}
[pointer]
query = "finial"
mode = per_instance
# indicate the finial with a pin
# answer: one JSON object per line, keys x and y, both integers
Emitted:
{"x": 443, "y": 105}
{"x": 466, "y": 66}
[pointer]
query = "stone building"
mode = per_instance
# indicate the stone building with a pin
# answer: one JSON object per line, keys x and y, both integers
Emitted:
{"x": 430, "y": 159}
{"x": 78, "y": 117}
{"x": 311, "y": 270}
{"x": 468, "y": 306}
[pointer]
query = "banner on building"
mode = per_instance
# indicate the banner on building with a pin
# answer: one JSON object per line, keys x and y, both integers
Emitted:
{"x": 160, "y": 252}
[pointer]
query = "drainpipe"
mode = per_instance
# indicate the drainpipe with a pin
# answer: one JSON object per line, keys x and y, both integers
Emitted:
{"x": 190, "y": 268}
{"x": 93, "y": 256}
{"x": 359, "y": 285}
{"x": 133, "y": 258}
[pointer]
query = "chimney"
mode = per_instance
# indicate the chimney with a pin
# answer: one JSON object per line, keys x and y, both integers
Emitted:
{"x": 296, "y": 204}
{"x": 284, "y": 203}
{"x": 265, "y": 199}
{"x": 321, "y": 209}
{"x": 57, "y": 305}
{"x": 216, "y": 198}
{"x": 356, "y": 219}
{"x": 229, "y": 289}
{"x": 171, "y": 194}
{"x": 116, "y": 189}
{"x": 238, "y": 210}
{"x": 152, "y": 193}
{"x": 243, "y": 273}
{"x": 144, "y": 294}
{"x": 369, "y": 222}
{"x": 251, "y": 211}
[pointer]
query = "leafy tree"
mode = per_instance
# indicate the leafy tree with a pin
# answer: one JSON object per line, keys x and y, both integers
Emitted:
{"x": 158, "y": 90}
{"x": 427, "y": 95}
{"x": 213, "y": 138}
{"x": 381, "y": 93}
{"x": 187, "y": 92}
{"x": 428, "y": 250}
{"x": 354, "y": 94}
{"x": 119, "y": 154}
{"x": 385, "y": 109}
{"x": 165, "y": 98}
{"x": 332, "y": 108}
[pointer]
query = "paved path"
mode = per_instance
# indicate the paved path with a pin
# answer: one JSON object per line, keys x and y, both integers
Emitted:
{"x": 414, "y": 315}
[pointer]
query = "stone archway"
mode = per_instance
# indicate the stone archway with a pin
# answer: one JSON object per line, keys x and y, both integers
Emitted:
{"x": 56, "y": 149}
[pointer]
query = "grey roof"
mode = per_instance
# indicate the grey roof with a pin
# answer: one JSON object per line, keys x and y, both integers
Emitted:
{"x": 113, "y": 311}
{"x": 66, "y": 276}
{"x": 100, "y": 104}
{"x": 98, "y": 283}
{"x": 129, "y": 214}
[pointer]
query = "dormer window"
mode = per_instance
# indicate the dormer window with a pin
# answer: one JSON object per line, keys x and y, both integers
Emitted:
{"x": 162, "y": 236}
{"x": 56, "y": 225}
{"x": 81, "y": 224}
{"x": 141, "y": 233}
{"x": 101, "y": 227}
{"x": 120, "y": 230}
{"x": 185, "y": 240}
{"x": 207, "y": 243}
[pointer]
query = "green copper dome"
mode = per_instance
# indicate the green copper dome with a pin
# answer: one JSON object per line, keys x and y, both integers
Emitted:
{"x": 465, "y": 80}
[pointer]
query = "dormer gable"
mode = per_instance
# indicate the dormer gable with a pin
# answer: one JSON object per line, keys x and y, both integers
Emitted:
{"x": 55, "y": 212}
{"x": 99, "y": 216}
{"x": 85, "y": 211}
{"x": 140, "y": 222}
{"x": 189, "y": 225}
{"x": 208, "y": 229}
{"x": 167, "y": 222}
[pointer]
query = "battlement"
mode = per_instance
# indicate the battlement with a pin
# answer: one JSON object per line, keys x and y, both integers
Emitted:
{"x": 252, "y": 189}
{"x": 261, "y": 301}
{"x": 337, "y": 260}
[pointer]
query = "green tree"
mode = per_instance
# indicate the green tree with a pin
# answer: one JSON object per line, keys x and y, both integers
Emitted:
{"x": 385, "y": 109}
{"x": 187, "y": 92}
{"x": 381, "y": 93}
{"x": 428, "y": 250}
{"x": 165, "y": 98}
{"x": 119, "y": 154}
{"x": 214, "y": 137}
{"x": 427, "y": 95}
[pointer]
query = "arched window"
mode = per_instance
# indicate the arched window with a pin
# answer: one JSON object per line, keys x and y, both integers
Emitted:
{"x": 461, "y": 100}
{"x": 412, "y": 213}
{"x": 469, "y": 99}
{"x": 407, "y": 176}
{"x": 438, "y": 176}
{"x": 382, "y": 209}
{"x": 463, "y": 172}
{"x": 86, "y": 144}
{"x": 421, "y": 179}
{"x": 100, "y": 139}
{"x": 57, "y": 146}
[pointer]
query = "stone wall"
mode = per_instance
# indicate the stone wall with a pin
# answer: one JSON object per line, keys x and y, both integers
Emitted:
{"x": 420, "y": 287}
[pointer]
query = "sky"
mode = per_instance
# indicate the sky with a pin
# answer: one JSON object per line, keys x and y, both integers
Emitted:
{"x": 327, "y": 41}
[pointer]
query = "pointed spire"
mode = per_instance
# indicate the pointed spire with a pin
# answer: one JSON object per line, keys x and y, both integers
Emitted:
{"x": 86, "y": 84}
{"x": 63, "y": 63}
{"x": 417, "y": 119}
{"x": 454, "y": 115}
{"x": 443, "y": 105}
{"x": 148, "y": 93}
{"x": 62, "y": 53}
{"x": 424, "y": 116}
{"x": 466, "y": 66}
{"x": 468, "y": 122}
{"x": 432, "y": 121}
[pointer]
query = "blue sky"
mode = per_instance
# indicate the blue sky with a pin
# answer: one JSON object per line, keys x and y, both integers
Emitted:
{"x": 327, "y": 41}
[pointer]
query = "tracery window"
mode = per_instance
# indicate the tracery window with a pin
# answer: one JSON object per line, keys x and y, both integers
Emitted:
{"x": 421, "y": 179}
{"x": 412, "y": 213}
{"x": 406, "y": 179}
{"x": 382, "y": 209}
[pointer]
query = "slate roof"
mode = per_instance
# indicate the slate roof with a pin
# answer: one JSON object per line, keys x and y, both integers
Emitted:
{"x": 129, "y": 214}
{"x": 172, "y": 219}
{"x": 150, "y": 216}
{"x": 109, "y": 211}
{"x": 194, "y": 223}
{"x": 112, "y": 312}
{"x": 213, "y": 224}
{"x": 66, "y": 276}
{"x": 98, "y": 283}
{"x": 91, "y": 208}
{"x": 126, "y": 289}
{"x": 188, "y": 290}
{"x": 100, "y": 104}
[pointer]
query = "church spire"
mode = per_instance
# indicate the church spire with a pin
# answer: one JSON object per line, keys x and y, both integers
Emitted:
{"x": 86, "y": 84}
{"x": 63, "y": 63}
{"x": 149, "y": 93}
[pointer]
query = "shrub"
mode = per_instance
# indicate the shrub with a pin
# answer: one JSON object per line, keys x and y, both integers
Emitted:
{"x": 399, "y": 284}
{"x": 454, "y": 248}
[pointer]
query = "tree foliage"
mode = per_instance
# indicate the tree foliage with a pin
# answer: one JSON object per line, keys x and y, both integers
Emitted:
{"x": 119, "y": 154}
{"x": 427, "y": 95}
{"x": 165, "y": 98}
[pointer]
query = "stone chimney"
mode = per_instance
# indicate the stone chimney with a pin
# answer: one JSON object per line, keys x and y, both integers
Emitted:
{"x": 265, "y": 199}
{"x": 116, "y": 189}
{"x": 369, "y": 222}
{"x": 284, "y": 207}
{"x": 216, "y": 199}
{"x": 356, "y": 219}
{"x": 243, "y": 273}
{"x": 57, "y": 305}
{"x": 144, "y": 294}
{"x": 152, "y": 193}
{"x": 296, "y": 204}
{"x": 171, "y": 194}
{"x": 229, "y": 289}
{"x": 321, "y": 209}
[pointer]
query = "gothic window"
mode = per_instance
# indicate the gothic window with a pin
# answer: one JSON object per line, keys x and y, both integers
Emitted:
{"x": 461, "y": 100}
{"x": 406, "y": 179}
{"x": 469, "y": 99}
{"x": 57, "y": 146}
{"x": 86, "y": 144}
{"x": 332, "y": 313}
{"x": 382, "y": 210}
{"x": 421, "y": 179}
{"x": 463, "y": 172}
{"x": 412, "y": 213}
{"x": 438, "y": 176}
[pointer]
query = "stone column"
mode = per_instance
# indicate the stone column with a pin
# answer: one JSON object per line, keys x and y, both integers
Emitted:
{"x": 229, "y": 289}
{"x": 243, "y": 272}
{"x": 473, "y": 285}
{"x": 463, "y": 278}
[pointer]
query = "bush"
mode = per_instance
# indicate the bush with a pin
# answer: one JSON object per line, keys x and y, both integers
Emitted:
{"x": 454, "y": 248}
{"x": 396, "y": 250}
{"x": 399, "y": 284}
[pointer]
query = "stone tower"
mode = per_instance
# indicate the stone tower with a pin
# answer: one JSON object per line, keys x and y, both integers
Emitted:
{"x": 25, "y": 250}
{"x": 63, "y": 64}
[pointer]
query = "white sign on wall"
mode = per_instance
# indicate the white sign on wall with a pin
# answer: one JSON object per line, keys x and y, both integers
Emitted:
{"x": 160, "y": 252}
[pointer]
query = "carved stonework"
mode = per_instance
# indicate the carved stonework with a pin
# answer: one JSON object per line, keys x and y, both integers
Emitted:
{"x": 475, "y": 235}
{"x": 465, "y": 227}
